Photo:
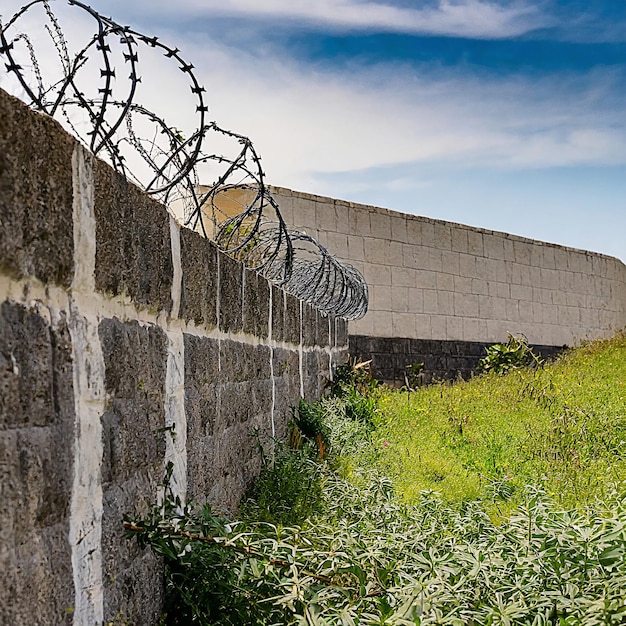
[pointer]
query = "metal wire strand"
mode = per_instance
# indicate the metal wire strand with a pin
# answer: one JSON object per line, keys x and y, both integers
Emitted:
{"x": 237, "y": 210}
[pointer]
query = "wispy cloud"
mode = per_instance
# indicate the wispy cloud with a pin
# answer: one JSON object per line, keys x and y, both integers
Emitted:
{"x": 460, "y": 18}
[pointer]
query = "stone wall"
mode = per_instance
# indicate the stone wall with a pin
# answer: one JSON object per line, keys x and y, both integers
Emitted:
{"x": 126, "y": 343}
{"x": 457, "y": 287}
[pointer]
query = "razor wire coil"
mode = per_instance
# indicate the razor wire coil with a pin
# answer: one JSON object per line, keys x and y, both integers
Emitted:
{"x": 236, "y": 210}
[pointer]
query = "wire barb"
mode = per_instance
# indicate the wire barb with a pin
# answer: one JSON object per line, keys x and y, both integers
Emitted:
{"x": 236, "y": 210}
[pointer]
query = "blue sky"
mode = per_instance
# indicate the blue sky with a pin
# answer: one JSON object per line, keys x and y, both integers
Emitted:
{"x": 509, "y": 115}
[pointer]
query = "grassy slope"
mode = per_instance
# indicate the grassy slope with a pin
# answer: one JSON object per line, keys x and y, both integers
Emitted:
{"x": 564, "y": 424}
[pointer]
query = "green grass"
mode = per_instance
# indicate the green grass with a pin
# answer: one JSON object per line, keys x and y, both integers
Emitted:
{"x": 563, "y": 425}
{"x": 324, "y": 540}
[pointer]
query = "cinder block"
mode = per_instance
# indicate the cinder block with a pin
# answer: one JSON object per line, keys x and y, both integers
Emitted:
{"x": 560, "y": 258}
{"x": 135, "y": 358}
{"x": 467, "y": 264}
{"x": 549, "y": 261}
{"x": 442, "y": 236}
{"x": 36, "y": 227}
{"x": 380, "y": 297}
{"x": 199, "y": 279}
{"x": 454, "y": 328}
{"x": 509, "y": 249}
{"x": 422, "y": 326}
{"x": 522, "y": 292}
{"x": 256, "y": 300}
{"x": 399, "y": 229}
{"x": 430, "y": 301}
{"x": 475, "y": 243}
{"x": 326, "y": 216}
{"x": 36, "y": 468}
{"x": 304, "y": 214}
{"x": 462, "y": 284}
{"x": 359, "y": 221}
{"x": 402, "y": 277}
{"x": 337, "y": 245}
{"x": 230, "y": 289}
{"x": 403, "y": 324}
{"x": 202, "y": 405}
{"x": 133, "y": 249}
{"x": 292, "y": 329}
{"x": 526, "y": 313}
{"x": 522, "y": 252}
{"x": 356, "y": 248}
{"x": 438, "y": 326}
{"x": 435, "y": 260}
{"x": 493, "y": 246}
{"x": 426, "y": 279}
{"x": 445, "y": 282}
{"x": 474, "y": 329}
{"x": 485, "y": 307}
{"x": 512, "y": 311}
{"x": 309, "y": 324}
{"x": 414, "y": 231}
{"x": 445, "y": 303}
{"x": 400, "y": 299}
{"x": 459, "y": 239}
{"x": 416, "y": 300}
{"x": 427, "y": 232}
{"x": 465, "y": 305}
{"x": 393, "y": 254}
{"x": 376, "y": 274}
{"x": 375, "y": 251}
{"x": 380, "y": 225}
{"x": 480, "y": 286}
{"x": 450, "y": 262}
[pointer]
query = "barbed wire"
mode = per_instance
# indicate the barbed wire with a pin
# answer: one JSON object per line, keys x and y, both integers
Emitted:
{"x": 236, "y": 209}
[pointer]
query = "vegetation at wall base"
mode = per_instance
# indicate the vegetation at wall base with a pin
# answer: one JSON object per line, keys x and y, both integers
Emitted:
{"x": 361, "y": 549}
{"x": 561, "y": 426}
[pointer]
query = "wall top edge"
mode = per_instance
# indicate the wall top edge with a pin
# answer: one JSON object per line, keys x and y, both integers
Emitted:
{"x": 285, "y": 192}
{"x": 10, "y": 105}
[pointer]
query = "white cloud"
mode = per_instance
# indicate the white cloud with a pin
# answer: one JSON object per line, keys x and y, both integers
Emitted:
{"x": 464, "y": 18}
{"x": 307, "y": 122}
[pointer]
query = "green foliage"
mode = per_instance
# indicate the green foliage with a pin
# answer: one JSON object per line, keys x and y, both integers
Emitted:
{"x": 356, "y": 553}
{"x": 289, "y": 488}
{"x": 353, "y": 376}
{"x": 504, "y": 357}
{"x": 563, "y": 425}
{"x": 372, "y": 560}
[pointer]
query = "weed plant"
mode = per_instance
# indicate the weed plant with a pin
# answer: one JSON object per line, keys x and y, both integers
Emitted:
{"x": 562, "y": 425}
{"x": 325, "y": 539}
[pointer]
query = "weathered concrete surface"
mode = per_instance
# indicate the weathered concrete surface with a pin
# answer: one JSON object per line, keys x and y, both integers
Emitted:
{"x": 36, "y": 237}
{"x": 161, "y": 329}
{"x": 36, "y": 453}
{"x": 133, "y": 467}
{"x": 199, "y": 279}
{"x": 133, "y": 253}
{"x": 228, "y": 403}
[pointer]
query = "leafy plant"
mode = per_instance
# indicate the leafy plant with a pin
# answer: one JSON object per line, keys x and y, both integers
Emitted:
{"x": 503, "y": 357}
{"x": 355, "y": 375}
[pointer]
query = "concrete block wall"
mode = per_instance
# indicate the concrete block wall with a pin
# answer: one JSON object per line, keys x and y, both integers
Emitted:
{"x": 438, "y": 281}
{"x": 126, "y": 344}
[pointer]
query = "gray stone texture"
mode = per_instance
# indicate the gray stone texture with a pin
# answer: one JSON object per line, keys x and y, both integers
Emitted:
{"x": 286, "y": 365}
{"x": 230, "y": 300}
{"x": 442, "y": 359}
{"x": 228, "y": 399}
{"x": 199, "y": 279}
{"x": 133, "y": 250}
{"x": 36, "y": 233}
{"x": 36, "y": 468}
{"x": 256, "y": 304}
{"x": 133, "y": 464}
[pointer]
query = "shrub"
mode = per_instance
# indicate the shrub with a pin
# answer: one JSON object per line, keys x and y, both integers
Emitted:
{"x": 503, "y": 357}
